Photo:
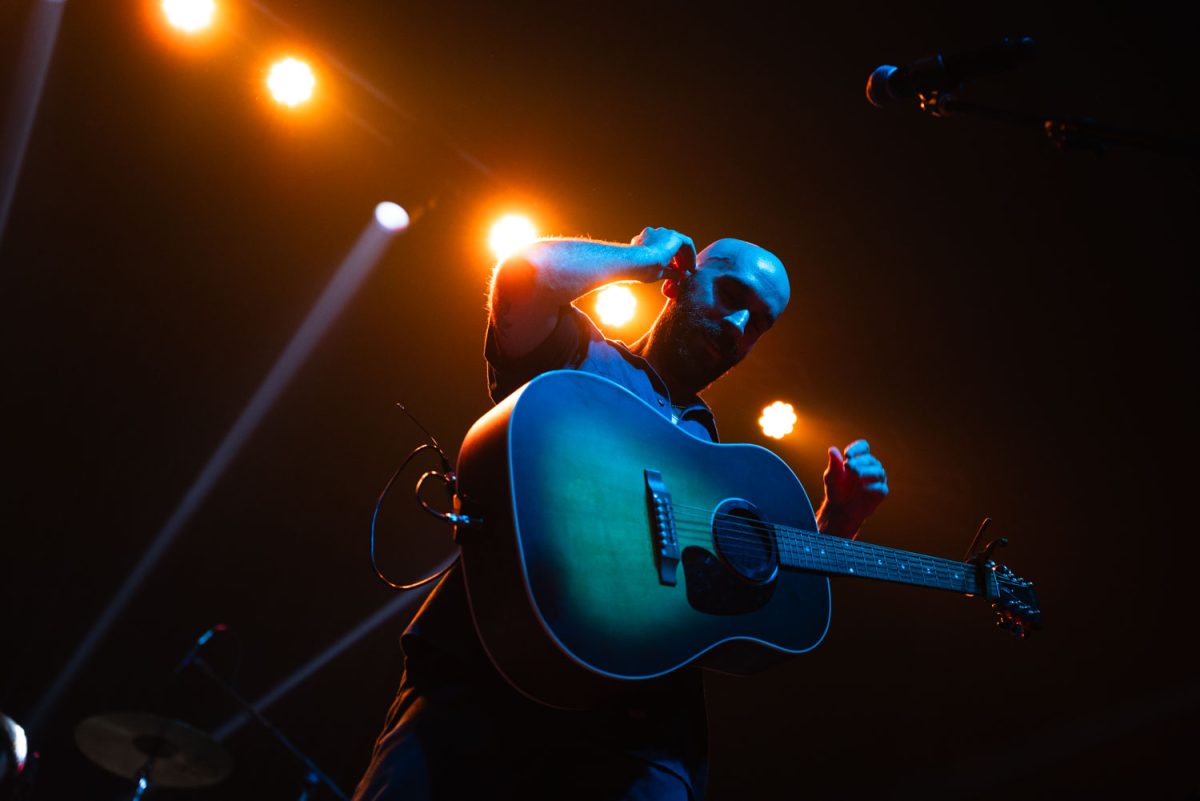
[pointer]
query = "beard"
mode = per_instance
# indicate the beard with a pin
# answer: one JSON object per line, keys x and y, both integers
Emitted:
{"x": 682, "y": 340}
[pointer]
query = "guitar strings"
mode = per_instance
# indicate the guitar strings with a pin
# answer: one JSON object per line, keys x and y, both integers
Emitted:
{"x": 956, "y": 576}
{"x": 746, "y": 525}
{"x": 749, "y": 530}
{"x": 700, "y": 514}
{"x": 747, "y": 535}
{"x": 744, "y": 543}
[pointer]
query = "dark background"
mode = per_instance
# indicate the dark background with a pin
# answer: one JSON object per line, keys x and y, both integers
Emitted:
{"x": 1012, "y": 328}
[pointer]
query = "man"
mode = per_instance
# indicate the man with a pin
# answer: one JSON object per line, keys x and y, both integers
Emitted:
{"x": 456, "y": 729}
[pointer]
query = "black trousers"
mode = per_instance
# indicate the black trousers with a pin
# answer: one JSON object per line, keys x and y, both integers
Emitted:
{"x": 454, "y": 733}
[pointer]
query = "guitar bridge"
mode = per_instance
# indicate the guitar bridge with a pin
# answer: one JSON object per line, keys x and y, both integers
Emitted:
{"x": 662, "y": 528}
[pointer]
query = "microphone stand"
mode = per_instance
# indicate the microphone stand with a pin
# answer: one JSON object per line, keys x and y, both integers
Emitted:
{"x": 314, "y": 776}
{"x": 1072, "y": 134}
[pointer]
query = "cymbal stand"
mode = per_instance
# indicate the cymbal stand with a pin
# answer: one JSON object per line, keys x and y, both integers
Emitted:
{"x": 313, "y": 776}
{"x": 142, "y": 780}
{"x": 152, "y": 746}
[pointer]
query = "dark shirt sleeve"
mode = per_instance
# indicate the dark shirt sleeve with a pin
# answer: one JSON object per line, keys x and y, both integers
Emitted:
{"x": 444, "y": 621}
{"x": 565, "y": 348}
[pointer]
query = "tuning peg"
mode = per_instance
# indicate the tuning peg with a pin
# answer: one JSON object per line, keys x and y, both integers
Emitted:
{"x": 1011, "y": 621}
{"x": 1005, "y": 622}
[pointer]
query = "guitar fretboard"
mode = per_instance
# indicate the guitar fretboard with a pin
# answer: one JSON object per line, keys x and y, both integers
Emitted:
{"x": 810, "y": 550}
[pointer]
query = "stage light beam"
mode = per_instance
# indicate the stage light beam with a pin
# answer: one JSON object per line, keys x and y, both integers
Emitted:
{"x": 778, "y": 420}
{"x": 291, "y": 81}
{"x": 509, "y": 234}
{"x": 391, "y": 216}
{"x": 369, "y": 624}
{"x": 345, "y": 282}
{"x": 189, "y": 16}
{"x": 17, "y": 124}
{"x": 615, "y": 305}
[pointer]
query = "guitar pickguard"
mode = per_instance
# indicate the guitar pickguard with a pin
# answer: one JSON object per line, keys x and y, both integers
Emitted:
{"x": 714, "y": 589}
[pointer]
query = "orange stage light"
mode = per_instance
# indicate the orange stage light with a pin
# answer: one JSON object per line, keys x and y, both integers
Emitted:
{"x": 510, "y": 233}
{"x": 189, "y": 16}
{"x": 778, "y": 420}
{"x": 615, "y": 305}
{"x": 291, "y": 81}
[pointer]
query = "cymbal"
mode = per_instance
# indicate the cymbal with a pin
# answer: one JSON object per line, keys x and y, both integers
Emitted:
{"x": 122, "y": 742}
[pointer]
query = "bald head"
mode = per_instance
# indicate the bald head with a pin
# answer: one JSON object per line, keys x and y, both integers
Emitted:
{"x": 717, "y": 314}
{"x": 755, "y": 265}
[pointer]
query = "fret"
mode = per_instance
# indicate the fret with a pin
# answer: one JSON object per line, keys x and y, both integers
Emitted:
{"x": 810, "y": 550}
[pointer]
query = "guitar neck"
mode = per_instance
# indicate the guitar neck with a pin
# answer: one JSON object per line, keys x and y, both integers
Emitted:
{"x": 809, "y": 550}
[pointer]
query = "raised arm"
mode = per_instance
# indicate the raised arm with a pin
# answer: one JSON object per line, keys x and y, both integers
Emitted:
{"x": 529, "y": 287}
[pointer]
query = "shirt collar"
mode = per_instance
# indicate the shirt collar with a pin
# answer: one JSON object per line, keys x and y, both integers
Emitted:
{"x": 696, "y": 409}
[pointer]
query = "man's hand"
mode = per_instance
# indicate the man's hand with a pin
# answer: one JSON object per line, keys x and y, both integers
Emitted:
{"x": 669, "y": 255}
{"x": 855, "y": 485}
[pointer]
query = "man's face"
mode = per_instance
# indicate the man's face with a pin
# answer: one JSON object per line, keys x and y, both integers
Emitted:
{"x": 719, "y": 313}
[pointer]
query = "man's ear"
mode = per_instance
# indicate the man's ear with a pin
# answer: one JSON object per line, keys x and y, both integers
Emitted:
{"x": 670, "y": 289}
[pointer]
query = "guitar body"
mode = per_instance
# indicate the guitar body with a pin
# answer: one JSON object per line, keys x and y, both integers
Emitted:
{"x": 569, "y": 592}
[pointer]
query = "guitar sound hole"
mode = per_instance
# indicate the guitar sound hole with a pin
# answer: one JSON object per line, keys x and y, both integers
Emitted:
{"x": 745, "y": 541}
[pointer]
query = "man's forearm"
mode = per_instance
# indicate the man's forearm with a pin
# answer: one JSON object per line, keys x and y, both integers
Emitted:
{"x": 529, "y": 288}
{"x": 558, "y": 271}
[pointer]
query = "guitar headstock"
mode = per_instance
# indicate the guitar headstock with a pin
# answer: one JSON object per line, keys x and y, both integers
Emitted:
{"x": 1015, "y": 603}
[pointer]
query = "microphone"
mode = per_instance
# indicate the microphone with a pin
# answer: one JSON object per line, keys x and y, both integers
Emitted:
{"x": 939, "y": 73}
{"x": 194, "y": 651}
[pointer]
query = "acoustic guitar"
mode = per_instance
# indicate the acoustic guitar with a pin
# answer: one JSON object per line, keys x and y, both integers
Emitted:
{"x": 603, "y": 545}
